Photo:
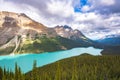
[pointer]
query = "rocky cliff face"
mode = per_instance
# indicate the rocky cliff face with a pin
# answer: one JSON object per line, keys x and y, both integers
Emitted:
{"x": 22, "y": 24}
{"x": 15, "y": 28}
{"x": 67, "y": 32}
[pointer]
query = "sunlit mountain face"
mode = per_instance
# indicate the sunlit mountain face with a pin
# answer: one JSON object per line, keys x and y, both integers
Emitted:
{"x": 94, "y": 18}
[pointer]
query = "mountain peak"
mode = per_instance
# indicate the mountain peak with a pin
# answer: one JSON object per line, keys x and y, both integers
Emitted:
{"x": 14, "y": 24}
{"x": 64, "y": 27}
{"x": 68, "y": 32}
{"x": 21, "y": 20}
{"x": 67, "y": 27}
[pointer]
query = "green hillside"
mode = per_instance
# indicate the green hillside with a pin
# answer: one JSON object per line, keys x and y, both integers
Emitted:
{"x": 41, "y": 44}
{"x": 112, "y": 50}
{"x": 45, "y": 44}
{"x": 83, "y": 67}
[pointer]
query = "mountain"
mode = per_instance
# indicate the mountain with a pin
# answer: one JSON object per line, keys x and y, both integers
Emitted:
{"x": 20, "y": 34}
{"x": 68, "y": 32}
{"x": 111, "y": 40}
{"x": 111, "y": 45}
{"x": 13, "y": 24}
{"x": 75, "y": 35}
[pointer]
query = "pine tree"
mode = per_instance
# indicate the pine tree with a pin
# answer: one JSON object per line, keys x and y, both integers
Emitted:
{"x": 74, "y": 73}
{"x": 1, "y": 73}
{"x": 4, "y": 74}
{"x": 34, "y": 65}
{"x": 16, "y": 75}
{"x": 11, "y": 75}
{"x": 58, "y": 72}
{"x": 34, "y": 73}
{"x": 4, "y": 71}
{"x": 19, "y": 74}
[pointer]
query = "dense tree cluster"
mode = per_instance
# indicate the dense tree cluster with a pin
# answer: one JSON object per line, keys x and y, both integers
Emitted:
{"x": 46, "y": 44}
{"x": 10, "y": 75}
{"x": 84, "y": 67}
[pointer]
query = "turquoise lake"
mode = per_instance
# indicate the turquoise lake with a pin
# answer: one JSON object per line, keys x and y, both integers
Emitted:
{"x": 25, "y": 61}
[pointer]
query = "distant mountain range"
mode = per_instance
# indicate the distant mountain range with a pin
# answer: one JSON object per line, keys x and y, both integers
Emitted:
{"x": 111, "y": 40}
{"x": 20, "y": 34}
{"x": 111, "y": 45}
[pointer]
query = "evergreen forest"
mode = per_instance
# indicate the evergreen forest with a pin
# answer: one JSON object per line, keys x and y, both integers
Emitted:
{"x": 83, "y": 67}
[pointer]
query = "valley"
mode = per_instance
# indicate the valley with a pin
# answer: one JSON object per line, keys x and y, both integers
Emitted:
{"x": 37, "y": 52}
{"x": 25, "y": 61}
{"x": 20, "y": 34}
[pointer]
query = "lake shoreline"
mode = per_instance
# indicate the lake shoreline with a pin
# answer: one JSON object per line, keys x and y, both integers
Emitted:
{"x": 25, "y": 61}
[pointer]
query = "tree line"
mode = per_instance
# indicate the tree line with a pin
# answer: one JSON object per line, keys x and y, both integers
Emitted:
{"x": 84, "y": 67}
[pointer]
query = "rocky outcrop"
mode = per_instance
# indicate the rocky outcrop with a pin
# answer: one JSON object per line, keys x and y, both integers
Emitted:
{"x": 67, "y": 32}
{"x": 15, "y": 28}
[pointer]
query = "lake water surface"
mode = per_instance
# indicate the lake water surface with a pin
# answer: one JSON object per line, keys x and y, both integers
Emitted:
{"x": 25, "y": 61}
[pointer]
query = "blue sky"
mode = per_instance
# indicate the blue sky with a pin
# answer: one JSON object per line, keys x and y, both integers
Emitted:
{"x": 78, "y": 7}
{"x": 95, "y": 18}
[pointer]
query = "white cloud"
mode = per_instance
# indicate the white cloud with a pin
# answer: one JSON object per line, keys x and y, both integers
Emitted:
{"x": 101, "y": 34}
{"x": 107, "y": 2}
{"x": 85, "y": 16}
{"x": 99, "y": 25}
{"x": 62, "y": 9}
{"x": 85, "y": 8}
{"x": 105, "y": 6}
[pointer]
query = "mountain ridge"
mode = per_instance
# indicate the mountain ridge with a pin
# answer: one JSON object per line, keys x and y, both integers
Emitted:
{"x": 76, "y": 35}
{"x": 21, "y": 34}
{"x": 111, "y": 45}
{"x": 111, "y": 40}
